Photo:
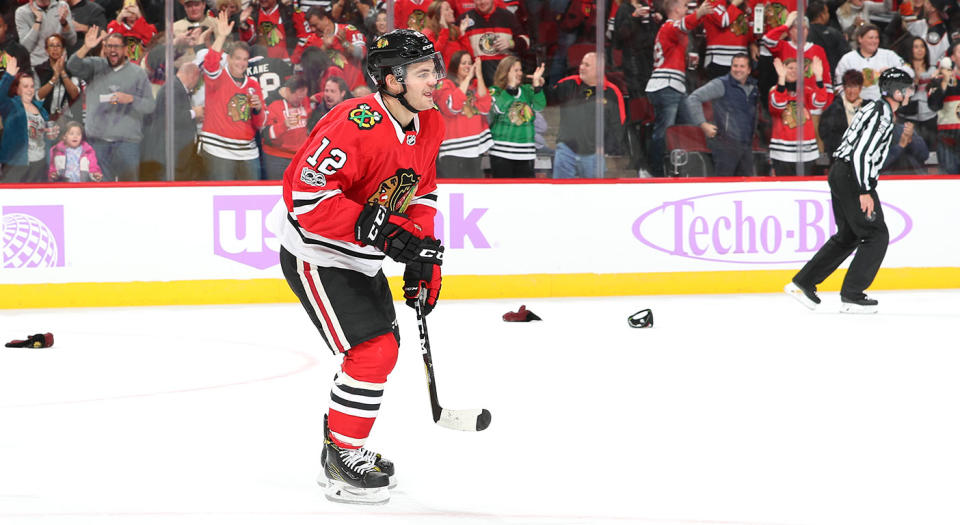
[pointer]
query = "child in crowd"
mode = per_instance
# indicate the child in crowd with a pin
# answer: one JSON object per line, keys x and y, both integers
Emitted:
{"x": 73, "y": 159}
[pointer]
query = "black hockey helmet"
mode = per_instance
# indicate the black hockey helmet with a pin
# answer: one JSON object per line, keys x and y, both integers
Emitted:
{"x": 894, "y": 79}
{"x": 391, "y": 52}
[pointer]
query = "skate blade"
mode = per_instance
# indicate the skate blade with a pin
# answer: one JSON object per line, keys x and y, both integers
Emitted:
{"x": 850, "y": 308}
{"x": 794, "y": 291}
{"x": 340, "y": 492}
{"x": 323, "y": 482}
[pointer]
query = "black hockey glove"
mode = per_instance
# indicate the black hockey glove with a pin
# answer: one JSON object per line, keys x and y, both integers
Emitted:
{"x": 423, "y": 273}
{"x": 394, "y": 234}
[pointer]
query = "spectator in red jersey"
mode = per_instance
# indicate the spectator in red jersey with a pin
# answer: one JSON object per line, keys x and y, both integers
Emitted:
{"x": 137, "y": 33}
{"x": 443, "y": 31}
{"x": 233, "y": 110}
{"x": 410, "y": 14}
{"x": 494, "y": 34}
{"x": 286, "y": 127}
{"x": 667, "y": 86}
{"x": 794, "y": 132}
{"x": 343, "y": 44}
{"x": 784, "y": 49}
{"x": 728, "y": 34}
{"x": 243, "y": 25}
{"x": 278, "y": 27}
{"x": 464, "y": 102}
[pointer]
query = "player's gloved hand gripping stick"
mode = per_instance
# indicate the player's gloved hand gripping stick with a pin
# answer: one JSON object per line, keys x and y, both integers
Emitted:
{"x": 423, "y": 273}
{"x": 469, "y": 419}
{"x": 394, "y": 234}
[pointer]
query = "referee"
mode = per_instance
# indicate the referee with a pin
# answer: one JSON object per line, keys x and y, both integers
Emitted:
{"x": 856, "y": 207}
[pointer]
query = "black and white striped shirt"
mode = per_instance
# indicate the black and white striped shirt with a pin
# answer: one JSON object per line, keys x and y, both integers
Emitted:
{"x": 866, "y": 142}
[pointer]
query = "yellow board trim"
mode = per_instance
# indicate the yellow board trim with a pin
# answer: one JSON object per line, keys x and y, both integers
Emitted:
{"x": 246, "y": 291}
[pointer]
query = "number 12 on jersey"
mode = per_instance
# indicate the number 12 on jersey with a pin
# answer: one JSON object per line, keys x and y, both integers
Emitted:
{"x": 333, "y": 162}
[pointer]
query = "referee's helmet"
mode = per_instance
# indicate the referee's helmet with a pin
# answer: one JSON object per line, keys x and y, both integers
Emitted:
{"x": 894, "y": 79}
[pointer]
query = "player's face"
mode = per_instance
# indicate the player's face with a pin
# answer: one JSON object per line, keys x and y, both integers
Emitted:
{"x": 237, "y": 63}
{"x": 852, "y": 92}
{"x": 740, "y": 69}
{"x": 421, "y": 79}
{"x": 869, "y": 42}
{"x": 332, "y": 94}
{"x": 72, "y": 137}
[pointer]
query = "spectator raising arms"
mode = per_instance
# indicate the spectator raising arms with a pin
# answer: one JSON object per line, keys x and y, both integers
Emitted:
{"x": 464, "y": 102}
{"x": 784, "y": 49}
{"x": 73, "y": 159}
{"x": 118, "y": 96}
{"x": 58, "y": 91}
{"x": 234, "y": 110}
{"x": 514, "y": 103}
{"x": 793, "y": 131}
{"x": 728, "y": 34}
{"x": 23, "y": 151}
{"x": 634, "y": 32}
{"x": 136, "y": 31}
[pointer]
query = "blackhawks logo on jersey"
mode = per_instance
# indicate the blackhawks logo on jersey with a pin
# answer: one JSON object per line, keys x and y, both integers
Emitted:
{"x": 487, "y": 43}
{"x": 417, "y": 20}
{"x": 363, "y": 117}
{"x": 270, "y": 33}
{"x": 791, "y": 115}
{"x": 396, "y": 192}
{"x": 869, "y": 77}
{"x": 520, "y": 113}
{"x": 741, "y": 25}
{"x": 774, "y": 15}
{"x": 238, "y": 108}
{"x": 134, "y": 48}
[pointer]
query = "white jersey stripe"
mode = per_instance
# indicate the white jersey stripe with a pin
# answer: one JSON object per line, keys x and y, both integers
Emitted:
{"x": 350, "y": 411}
{"x": 348, "y": 440}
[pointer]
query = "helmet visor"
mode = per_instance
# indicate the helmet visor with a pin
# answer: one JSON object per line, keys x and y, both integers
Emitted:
{"x": 427, "y": 69}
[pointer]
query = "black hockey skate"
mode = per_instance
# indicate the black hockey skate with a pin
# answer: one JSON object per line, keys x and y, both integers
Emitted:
{"x": 806, "y": 296}
{"x": 351, "y": 477}
{"x": 382, "y": 463}
{"x": 863, "y": 305}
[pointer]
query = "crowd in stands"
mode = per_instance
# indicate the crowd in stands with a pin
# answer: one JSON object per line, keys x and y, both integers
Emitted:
{"x": 84, "y": 86}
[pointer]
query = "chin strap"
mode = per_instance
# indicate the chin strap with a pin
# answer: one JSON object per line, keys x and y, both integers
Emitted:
{"x": 401, "y": 98}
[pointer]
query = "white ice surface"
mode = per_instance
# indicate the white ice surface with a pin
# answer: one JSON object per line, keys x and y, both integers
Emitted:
{"x": 731, "y": 410}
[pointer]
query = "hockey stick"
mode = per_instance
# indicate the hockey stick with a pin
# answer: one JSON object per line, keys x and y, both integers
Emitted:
{"x": 469, "y": 419}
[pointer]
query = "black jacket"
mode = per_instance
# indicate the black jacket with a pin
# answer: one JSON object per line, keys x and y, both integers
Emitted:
{"x": 184, "y": 137}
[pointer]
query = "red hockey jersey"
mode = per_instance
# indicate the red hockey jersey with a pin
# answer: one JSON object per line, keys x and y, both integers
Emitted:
{"x": 670, "y": 55}
{"x": 465, "y": 116}
{"x": 357, "y": 154}
{"x": 775, "y": 15}
{"x": 410, "y": 14}
{"x": 274, "y": 34}
{"x": 229, "y": 123}
{"x": 136, "y": 36}
{"x": 280, "y": 139}
{"x": 785, "y": 113}
{"x": 728, "y": 32}
{"x": 784, "y": 49}
{"x": 447, "y": 47}
{"x": 347, "y": 40}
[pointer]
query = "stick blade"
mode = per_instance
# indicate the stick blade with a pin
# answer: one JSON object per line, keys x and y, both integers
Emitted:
{"x": 471, "y": 420}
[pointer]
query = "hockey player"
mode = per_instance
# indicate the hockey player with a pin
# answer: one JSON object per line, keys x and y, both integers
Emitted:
{"x": 362, "y": 188}
{"x": 856, "y": 206}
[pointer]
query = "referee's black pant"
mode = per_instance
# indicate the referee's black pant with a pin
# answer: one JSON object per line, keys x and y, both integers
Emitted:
{"x": 854, "y": 232}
